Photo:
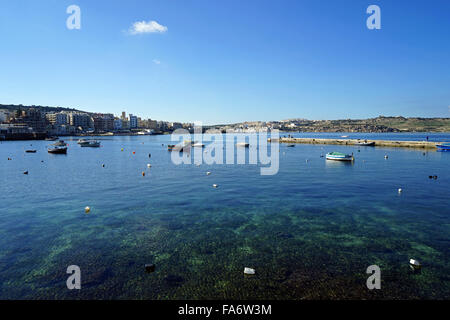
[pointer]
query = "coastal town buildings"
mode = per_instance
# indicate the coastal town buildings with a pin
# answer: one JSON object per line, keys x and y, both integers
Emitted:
{"x": 117, "y": 124}
{"x": 4, "y": 115}
{"x": 35, "y": 122}
{"x": 57, "y": 119}
{"x": 78, "y": 119}
{"x": 133, "y": 121}
{"x": 103, "y": 122}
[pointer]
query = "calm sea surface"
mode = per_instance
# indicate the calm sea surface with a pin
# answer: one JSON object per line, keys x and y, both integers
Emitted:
{"x": 309, "y": 231}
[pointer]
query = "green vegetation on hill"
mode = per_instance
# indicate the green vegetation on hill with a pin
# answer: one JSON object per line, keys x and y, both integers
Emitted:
{"x": 41, "y": 108}
{"x": 379, "y": 124}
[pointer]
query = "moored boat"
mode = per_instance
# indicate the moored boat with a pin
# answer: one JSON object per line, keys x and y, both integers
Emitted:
{"x": 339, "y": 156}
{"x": 242, "y": 144}
{"x": 91, "y": 144}
{"x": 30, "y": 151}
{"x": 179, "y": 147}
{"x": 58, "y": 150}
{"x": 443, "y": 147}
{"x": 60, "y": 143}
{"x": 145, "y": 132}
{"x": 365, "y": 144}
{"x": 198, "y": 145}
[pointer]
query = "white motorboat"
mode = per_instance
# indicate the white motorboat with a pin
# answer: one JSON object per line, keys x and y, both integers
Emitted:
{"x": 198, "y": 145}
{"x": 242, "y": 144}
{"x": 145, "y": 132}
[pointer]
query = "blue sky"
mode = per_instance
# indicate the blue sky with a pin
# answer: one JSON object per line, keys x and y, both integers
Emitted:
{"x": 229, "y": 61}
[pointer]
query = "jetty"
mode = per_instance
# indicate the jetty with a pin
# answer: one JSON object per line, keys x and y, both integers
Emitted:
{"x": 350, "y": 142}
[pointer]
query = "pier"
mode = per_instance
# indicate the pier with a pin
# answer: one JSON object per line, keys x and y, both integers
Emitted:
{"x": 350, "y": 142}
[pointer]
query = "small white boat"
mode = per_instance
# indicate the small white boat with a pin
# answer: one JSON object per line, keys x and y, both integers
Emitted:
{"x": 339, "y": 156}
{"x": 80, "y": 141}
{"x": 242, "y": 144}
{"x": 198, "y": 145}
{"x": 145, "y": 132}
{"x": 344, "y": 136}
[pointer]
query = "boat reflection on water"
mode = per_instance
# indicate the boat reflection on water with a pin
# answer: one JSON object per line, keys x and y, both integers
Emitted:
{"x": 338, "y": 164}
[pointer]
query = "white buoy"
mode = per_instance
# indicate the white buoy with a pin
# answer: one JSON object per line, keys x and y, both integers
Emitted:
{"x": 215, "y": 185}
{"x": 87, "y": 210}
{"x": 208, "y": 173}
{"x": 149, "y": 165}
{"x": 249, "y": 271}
{"x": 400, "y": 190}
{"x": 414, "y": 264}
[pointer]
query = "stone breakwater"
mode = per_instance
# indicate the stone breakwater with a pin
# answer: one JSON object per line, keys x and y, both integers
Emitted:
{"x": 378, "y": 143}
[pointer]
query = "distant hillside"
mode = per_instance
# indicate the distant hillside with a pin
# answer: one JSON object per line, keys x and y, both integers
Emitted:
{"x": 41, "y": 108}
{"x": 379, "y": 124}
{"x": 415, "y": 124}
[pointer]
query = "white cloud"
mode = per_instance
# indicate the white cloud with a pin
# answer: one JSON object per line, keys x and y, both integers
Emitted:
{"x": 156, "y": 61}
{"x": 147, "y": 27}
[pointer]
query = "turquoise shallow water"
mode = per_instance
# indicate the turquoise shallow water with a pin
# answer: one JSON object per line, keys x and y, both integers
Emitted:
{"x": 310, "y": 231}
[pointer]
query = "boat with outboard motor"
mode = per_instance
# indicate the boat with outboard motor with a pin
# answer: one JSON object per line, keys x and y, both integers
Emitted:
{"x": 339, "y": 156}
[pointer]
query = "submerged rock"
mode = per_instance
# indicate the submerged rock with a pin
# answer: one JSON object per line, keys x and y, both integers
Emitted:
{"x": 174, "y": 280}
{"x": 149, "y": 268}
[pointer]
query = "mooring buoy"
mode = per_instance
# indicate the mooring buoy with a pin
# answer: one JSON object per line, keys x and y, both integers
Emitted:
{"x": 414, "y": 264}
{"x": 249, "y": 271}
